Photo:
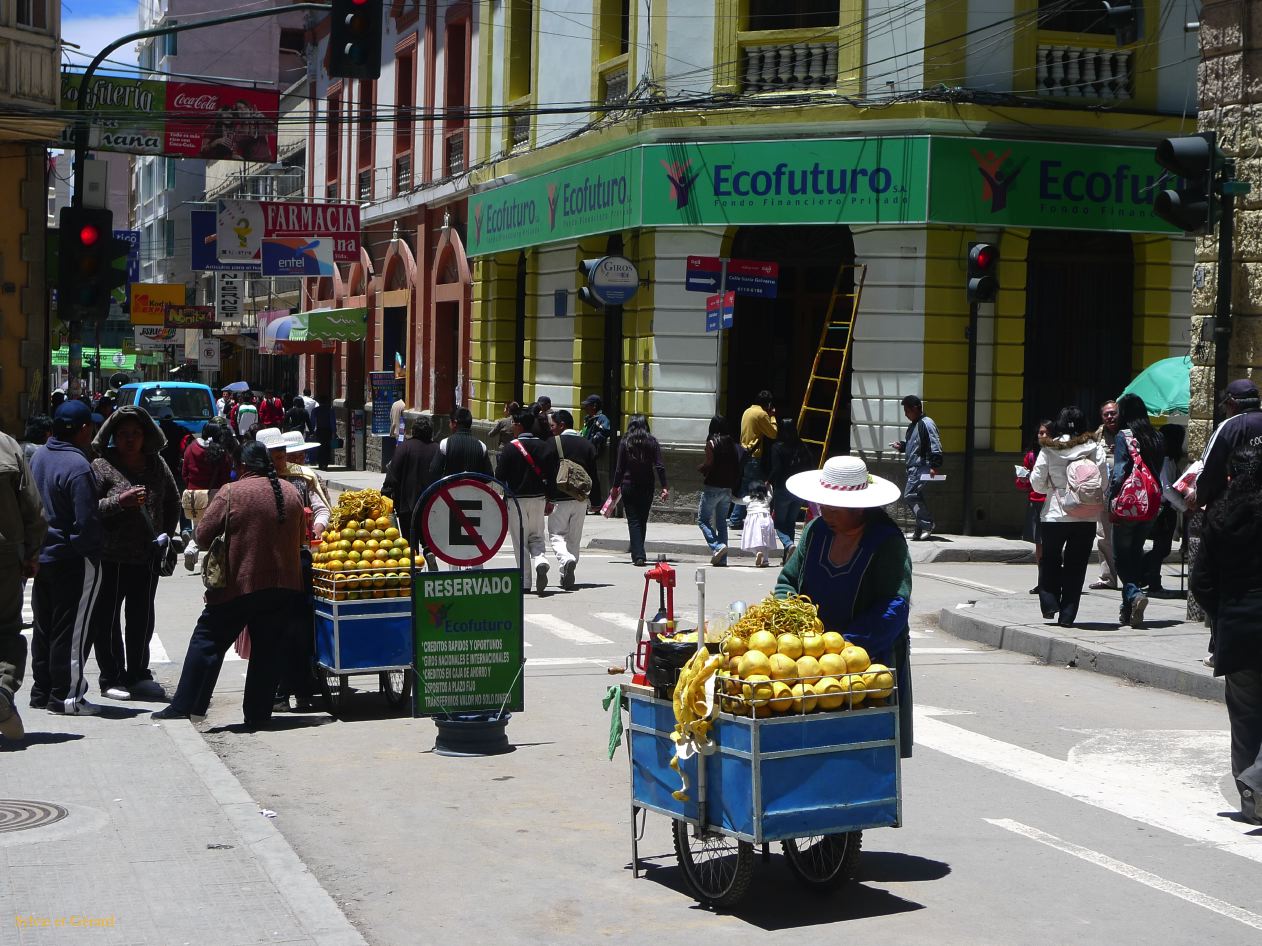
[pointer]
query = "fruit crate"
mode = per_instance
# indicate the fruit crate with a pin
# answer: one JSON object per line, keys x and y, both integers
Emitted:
{"x": 775, "y": 778}
{"x": 358, "y": 586}
{"x": 363, "y": 636}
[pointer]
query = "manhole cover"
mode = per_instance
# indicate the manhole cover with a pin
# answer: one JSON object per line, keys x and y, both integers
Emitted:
{"x": 16, "y": 815}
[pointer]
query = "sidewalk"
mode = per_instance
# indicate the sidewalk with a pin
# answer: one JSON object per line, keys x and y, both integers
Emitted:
{"x": 137, "y": 831}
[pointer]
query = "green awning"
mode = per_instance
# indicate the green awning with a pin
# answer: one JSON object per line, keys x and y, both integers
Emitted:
{"x": 330, "y": 325}
{"x": 112, "y": 359}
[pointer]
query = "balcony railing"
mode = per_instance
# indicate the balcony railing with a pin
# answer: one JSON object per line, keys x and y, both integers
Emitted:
{"x": 402, "y": 174}
{"x": 455, "y": 151}
{"x": 615, "y": 86}
{"x": 1085, "y": 72}
{"x": 789, "y": 67}
{"x": 363, "y": 184}
{"x": 519, "y": 129}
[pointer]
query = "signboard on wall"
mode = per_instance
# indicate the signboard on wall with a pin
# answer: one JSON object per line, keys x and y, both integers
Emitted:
{"x": 386, "y": 389}
{"x": 190, "y": 316}
{"x": 229, "y": 296}
{"x": 245, "y": 228}
{"x": 202, "y": 252}
{"x": 150, "y": 300}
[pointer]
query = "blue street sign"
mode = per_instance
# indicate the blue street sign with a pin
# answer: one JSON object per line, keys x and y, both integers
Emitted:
{"x": 760, "y": 287}
{"x": 702, "y": 280}
{"x": 718, "y": 310}
{"x": 757, "y": 278}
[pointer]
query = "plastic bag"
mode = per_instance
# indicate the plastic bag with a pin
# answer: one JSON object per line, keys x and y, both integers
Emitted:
{"x": 612, "y": 501}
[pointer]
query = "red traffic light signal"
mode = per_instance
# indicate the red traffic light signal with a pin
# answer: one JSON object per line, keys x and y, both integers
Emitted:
{"x": 983, "y": 270}
{"x": 88, "y": 234}
{"x": 86, "y": 275}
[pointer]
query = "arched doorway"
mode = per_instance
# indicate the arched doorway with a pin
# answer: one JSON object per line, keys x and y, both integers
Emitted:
{"x": 360, "y": 292}
{"x": 773, "y": 342}
{"x": 398, "y": 285}
{"x": 449, "y": 323}
{"x": 1079, "y": 309}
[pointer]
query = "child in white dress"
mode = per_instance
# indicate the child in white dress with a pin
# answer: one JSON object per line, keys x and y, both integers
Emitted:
{"x": 759, "y": 532}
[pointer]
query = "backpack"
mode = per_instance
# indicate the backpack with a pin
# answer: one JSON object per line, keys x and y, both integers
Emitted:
{"x": 1139, "y": 498}
{"x": 572, "y": 479}
{"x": 1084, "y": 489}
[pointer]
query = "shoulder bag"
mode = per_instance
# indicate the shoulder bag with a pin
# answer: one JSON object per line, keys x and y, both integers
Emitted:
{"x": 215, "y": 565}
{"x": 572, "y": 479}
{"x": 1139, "y": 497}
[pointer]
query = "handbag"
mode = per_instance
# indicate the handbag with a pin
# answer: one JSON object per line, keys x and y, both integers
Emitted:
{"x": 572, "y": 479}
{"x": 215, "y": 564}
{"x": 1139, "y": 498}
{"x": 531, "y": 460}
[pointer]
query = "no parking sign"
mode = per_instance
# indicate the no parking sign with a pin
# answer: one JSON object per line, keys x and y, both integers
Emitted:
{"x": 464, "y": 522}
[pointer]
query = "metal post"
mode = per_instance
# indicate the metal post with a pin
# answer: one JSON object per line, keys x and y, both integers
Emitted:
{"x": 970, "y": 421}
{"x": 718, "y": 335}
{"x": 1222, "y": 304}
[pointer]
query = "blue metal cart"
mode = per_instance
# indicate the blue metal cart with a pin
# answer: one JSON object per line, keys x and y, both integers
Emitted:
{"x": 366, "y": 636}
{"x": 813, "y": 782}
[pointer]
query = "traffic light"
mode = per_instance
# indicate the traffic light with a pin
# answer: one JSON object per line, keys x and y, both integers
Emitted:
{"x": 355, "y": 39}
{"x": 586, "y": 268}
{"x": 86, "y": 274}
{"x": 983, "y": 269}
{"x": 1192, "y": 205}
{"x": 1124, "y": 18}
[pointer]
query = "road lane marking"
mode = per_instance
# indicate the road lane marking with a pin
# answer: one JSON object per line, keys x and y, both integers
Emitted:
{"x": 921, "y": 651}
{"x": 952, "y": 580}
{"x": 565, "y": 630}
{"x": 624, "y": 622}
{"x": 1170, "y": 807}
{"x": 532, "y": 662}
{"x": 1137, "y": 874}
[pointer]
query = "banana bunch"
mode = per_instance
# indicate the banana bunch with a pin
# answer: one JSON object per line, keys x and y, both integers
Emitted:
{"x": 693, "y": 705}
{"x": 360, "y": 504}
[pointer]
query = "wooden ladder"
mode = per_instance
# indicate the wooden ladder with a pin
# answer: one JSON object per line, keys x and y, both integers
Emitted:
{"x": 824, "y": 387}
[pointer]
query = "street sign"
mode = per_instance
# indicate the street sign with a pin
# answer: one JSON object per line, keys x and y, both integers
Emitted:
{"x": 469, "y": 641}
{"x": 464, "y": 522}
{"x": 229, "y": 296}
{"x": 746, "y": 277}
{"x": 718, "y": 311}
{"x": 208, "y": 354}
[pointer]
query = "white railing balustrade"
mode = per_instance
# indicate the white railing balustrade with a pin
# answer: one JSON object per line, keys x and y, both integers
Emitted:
{"x": 790, "y": 67}
{"x": 1085, "y": 72}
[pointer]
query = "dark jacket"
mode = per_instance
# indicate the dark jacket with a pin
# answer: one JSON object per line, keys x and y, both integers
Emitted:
{"x": 1243, "y": 428}
{"x": 783, "y": 459}
{"x": 67, "y": 488}
{"x": 408, "y": 474}
{"x": 460, "y": 453}
{"x": 576, "y": 447}
{"x": 1227, "y": 581}
{"x": 22, "y": 525}
{"x": 721, "y": 468}
{"x": 520, "y": 475}
{"x": 636, "y": 473}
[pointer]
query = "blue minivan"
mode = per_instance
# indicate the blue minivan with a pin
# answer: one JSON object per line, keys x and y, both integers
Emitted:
{"x": 189, "y": 403}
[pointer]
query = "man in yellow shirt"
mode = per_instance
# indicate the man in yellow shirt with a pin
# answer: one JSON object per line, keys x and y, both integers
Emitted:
{"x": 758, "y": 423}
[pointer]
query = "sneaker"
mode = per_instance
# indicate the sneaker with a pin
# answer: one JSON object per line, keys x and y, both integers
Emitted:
{"x": 567, "y": 574}
{"x": 1033, "y": 591}
{"x": 117, "y": 692}
{"x": 431, "y": 562}
{"x": 79, "y": 707}
{"x": 1249, "y": 807}
{"x": 10, "y": 722}
{"x": 1124, "y": 614}
{"x": 1100, "y": 585}
{"x": 1138, "y": 605}
{"x": 541, "y": 577}
{"x": 1208, "y": 660}
{"x": 190, "y": 557}
{"x": 149, "y": 690}
{"x": 719, "y": 558}
{"x": 760, "y": 560}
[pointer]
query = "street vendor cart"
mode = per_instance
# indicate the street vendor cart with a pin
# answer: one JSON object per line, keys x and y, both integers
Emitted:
{"x": 363, "y": 636}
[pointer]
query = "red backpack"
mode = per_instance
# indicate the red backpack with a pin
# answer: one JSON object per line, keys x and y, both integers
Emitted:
{"x": 1139, "y": 499}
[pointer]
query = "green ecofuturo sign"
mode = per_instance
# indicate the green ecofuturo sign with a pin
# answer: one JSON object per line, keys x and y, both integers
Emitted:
{"x": 468, "y": 630}
{"x": 1053, "y": 185}
{"x": 983, "y": 182}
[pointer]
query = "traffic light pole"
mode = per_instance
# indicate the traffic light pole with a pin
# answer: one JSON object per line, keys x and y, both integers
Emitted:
{"x": 970, "y": 421}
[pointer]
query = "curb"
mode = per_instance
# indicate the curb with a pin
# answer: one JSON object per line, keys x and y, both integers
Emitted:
{"x": 312, "y": 906}
{"x": 1054, "y": 650}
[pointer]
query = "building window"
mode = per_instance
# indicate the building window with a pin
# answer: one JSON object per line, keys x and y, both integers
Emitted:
{"x": 168, "y": 227}
{"x": 170, "y": 168}
{"x": 405, "y": 13}
{"x": 455, "y": 82}
{"x": 363, "y": 149}
{"x": 793, "y": 14}
{"x": 293, "y": 41}
{"x": 33, "y": 13}
{"x": 521, "y": 14}
{"x": 146, "y": 56}
{"x": 333, "y": 151}
{"x": 615, "y": 28}
{"x": 1074, "y": 16}
{"x": 170, "y": 42}
{"x": 404, "y": 99}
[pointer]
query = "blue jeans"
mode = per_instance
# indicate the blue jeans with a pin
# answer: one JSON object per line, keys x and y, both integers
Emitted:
{"x": 1128, "y": 555}
{"x": 784, "y": 513}
{"x": 712, "y": 515}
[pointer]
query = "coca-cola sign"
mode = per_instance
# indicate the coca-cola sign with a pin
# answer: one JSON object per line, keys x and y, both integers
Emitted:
{"x": 185, "y": 101}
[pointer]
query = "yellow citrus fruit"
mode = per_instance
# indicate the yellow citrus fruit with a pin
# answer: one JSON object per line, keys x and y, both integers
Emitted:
{"x": 754, "y": 663}
{"x": 394, "y": 554}
{"x": 762, "y": 710}
{"x": 856, "y": 658}
{"x": 399, "y": 543}
{"x": 781, "y": 697}
{"x": 378, "y": 580}
{"x": 336, "y": 565}
{"x": 829, "y": 693}
{"x": 764, "y": 641}
{"x": 361, "y": 534}
{"x": 790, "y": 645}
{"x": 392, "y": 533}
{"x": 358, "y": 545}
{"x": 340, "y": 576}
{"x": 813, "y": 645}
{"x": 352, "y": 525}
{"x": 371, "y": 544}
{"x": 353, "y": 556}
{"x": 855, "y": 686}
{"x": 324, "y": 546}
{"x": 783, "y": 667}
{"x": 378, "y": 593}
{"x": 809, "y": 669}
{"x": 383, "y": 522}
{"x": 834, "y": 665}
{"x": 758, "y": 688}
{"x": 405, "y": 563}
{"x": 377, "y": 534}
{"x": 348, "y": 533}
{"x": 804, "y": 698}
{"x": 735, "y": 646}
{"x": 879, "y": 681}
{"x": 834, "y": 643}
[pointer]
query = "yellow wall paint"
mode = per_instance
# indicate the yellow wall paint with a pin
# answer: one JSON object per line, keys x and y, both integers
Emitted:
{"x": 1009, "y": 366}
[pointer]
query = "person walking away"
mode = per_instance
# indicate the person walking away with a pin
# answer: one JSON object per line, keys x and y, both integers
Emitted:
{"x": 1107, "y": 435}
{"x": 247, "y": 416}
{"x": 758, "y": 424}
{"x": 502, "y": 432}
{"x": 38, "y": 429}
{"x": 1129, "y": 535}
{"x": 22, "y": 530}
{"x": 1173, "y": 462}
{"x": 923, "y": 449}
{"x": 528, "y": 466}
{"x": 1032, "y": 531}
{"x": 720, "y": 474}
{"x": 140, "y": 511}
{"x": 759, "y": 532}
{"x": 206, "y": 467}
{"x": 271, "y": 410}
{"x": 325, "y": 425}
{"x": 1070, "y": 472}
{"x": 69, "y": 563}
{"x": 567, "y": 512}
{"x": 298, "y": 417}
{"x": 786, "y": 456}
{"x": 261, "y": 519}
{"x": 1227, "y": 581}
{"x": 408, "y": 475}
{"x": 597, "y": 429}
{"x": 639, "y": 458}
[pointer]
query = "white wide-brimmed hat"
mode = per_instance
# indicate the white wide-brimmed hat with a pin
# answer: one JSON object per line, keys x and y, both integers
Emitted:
{"x": 270, "y": 437}
{"x": 844, "y": 481}
{"x": 296, "y": 443}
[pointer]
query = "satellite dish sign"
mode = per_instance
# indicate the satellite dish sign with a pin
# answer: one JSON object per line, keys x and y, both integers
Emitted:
{"x": 613, "y": 280}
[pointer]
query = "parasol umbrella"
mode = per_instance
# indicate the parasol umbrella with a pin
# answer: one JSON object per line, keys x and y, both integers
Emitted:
{"x": 1164, "y": 385}
{"x": 238, "y": 386}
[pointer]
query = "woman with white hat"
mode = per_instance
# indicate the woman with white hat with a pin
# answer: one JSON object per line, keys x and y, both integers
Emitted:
{"x": 852, "y": 562}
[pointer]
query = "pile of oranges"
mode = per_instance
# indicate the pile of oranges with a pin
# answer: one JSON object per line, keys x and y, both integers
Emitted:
{"x": 364, "y": 559}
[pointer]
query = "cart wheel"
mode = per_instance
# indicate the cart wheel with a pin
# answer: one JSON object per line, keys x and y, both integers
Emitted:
{"x": 718, "y": 869}
{"x": 333, "y": 689}
{"x": 397, "y": 687}
{"x": 827, "y": 861}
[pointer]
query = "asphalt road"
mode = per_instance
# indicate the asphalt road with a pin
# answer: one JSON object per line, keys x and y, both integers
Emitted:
{"x": 1043, "y": 805}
